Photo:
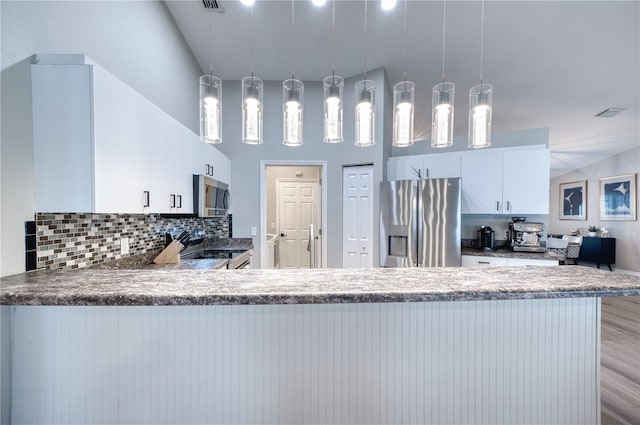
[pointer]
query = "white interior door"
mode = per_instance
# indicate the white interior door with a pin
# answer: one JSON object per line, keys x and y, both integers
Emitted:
{"x": 298, "y": 204}
{"x": 357, "y": 216}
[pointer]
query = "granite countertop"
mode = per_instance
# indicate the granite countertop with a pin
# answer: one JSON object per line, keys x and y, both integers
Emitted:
{"x": 316, "y": 286}
{"x": 509, "y": 253}
{"x": 229, "y": 244}
{"x": 145, "y": 262}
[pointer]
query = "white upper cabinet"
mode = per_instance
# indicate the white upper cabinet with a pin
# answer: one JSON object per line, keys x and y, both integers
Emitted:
{"x": 62, "y": 132}
{"x": 122, "y": 125}
{"x": 210, "y": 161}
{"x": 525, "y": 187}
{"x": 99, "y": 146}
{"x": 482, "y": 182}
{"x": 429, "y": 166}
{"x": 506, "y": 181}
{"x": 404, "y": 167}
{"x": 441, "y": 165}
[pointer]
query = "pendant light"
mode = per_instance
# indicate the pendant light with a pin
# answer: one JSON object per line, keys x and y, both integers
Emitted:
{"x": 292, "y": 98}
{"x": 333, "y": 94}
{"x": 365, "y": 101}
{"x": 480, "y": 104}
{"x": 403, "y": 101}
{"x": 210, "y": 100}
{"x": 443, "y": 101}
{"x": 252, "y": 90}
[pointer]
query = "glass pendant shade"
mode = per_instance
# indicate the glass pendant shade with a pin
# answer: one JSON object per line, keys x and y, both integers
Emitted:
{"x": 403, "y": 106}
{"x": 480, "y": 106}
{"x": 333, "y": 94}
{"x": 365, "y": 113}
{"x": 292, "y": 104}
{"x": 210, "y": 109}
{"x": 442, "y": 115}
{"x": 252, "y": 89}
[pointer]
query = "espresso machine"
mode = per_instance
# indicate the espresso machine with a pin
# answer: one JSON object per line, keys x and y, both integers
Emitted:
{"x": 525, "y": 236}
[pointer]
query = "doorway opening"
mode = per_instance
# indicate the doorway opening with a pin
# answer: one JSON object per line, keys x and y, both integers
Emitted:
{"x": 293, "y": 214}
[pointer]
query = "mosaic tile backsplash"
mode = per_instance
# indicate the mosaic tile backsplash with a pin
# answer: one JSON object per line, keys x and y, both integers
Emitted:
{"x": 82, "y": 240}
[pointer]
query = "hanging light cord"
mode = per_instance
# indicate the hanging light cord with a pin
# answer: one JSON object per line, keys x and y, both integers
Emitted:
{"x": 293, "y": 38}
{"x": 252, "y": 58}
{"x": 404, "y": 46}
{"x": 333, "y": 38}
{"x": 444, "y": 26}
{"x": 210, "y": 43}
{"x": 481, "y": 42}
{"x": 365, "y": 41}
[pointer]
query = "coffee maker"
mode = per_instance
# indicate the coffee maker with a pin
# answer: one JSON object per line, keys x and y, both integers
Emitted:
{"x": 486, "y": 239}
{"x": 525, "y": 236}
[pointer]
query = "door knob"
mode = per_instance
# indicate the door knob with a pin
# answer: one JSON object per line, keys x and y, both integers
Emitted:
{"x": 364, "y": 247}
{"x": 282, "y": 235}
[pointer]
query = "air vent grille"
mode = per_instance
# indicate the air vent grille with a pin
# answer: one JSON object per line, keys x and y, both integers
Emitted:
{"x": 610, "y": 112}
{"x": 213, "y": 6}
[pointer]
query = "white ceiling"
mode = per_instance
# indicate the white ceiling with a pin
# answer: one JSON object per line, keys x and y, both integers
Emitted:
{"x": 552, "y": 63}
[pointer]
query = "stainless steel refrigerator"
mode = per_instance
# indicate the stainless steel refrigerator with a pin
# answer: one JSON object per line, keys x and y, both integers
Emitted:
{"x": 420, "y": 223}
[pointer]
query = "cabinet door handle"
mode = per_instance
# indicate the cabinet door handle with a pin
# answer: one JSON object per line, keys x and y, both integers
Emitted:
{"x": 508, "y": 206}
{"x": 179, "y": 201}
{"x": 426, "y": 171}
{"x": 145, "y": 199}
{"x": 172, "y": 201}
{"x": 483, "y": 262}
{"x": 497, "y": 205}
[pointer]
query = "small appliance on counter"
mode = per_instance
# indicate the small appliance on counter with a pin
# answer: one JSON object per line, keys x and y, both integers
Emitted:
{"x": 525, "y": 236}
{"x": 486, "y": 239}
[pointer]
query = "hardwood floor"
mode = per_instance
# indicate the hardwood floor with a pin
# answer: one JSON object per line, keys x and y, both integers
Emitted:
{"x": 620, "y": 361}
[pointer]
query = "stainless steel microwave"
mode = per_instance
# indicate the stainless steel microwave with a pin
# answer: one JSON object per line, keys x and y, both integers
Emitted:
{"x": 211, "y": 198}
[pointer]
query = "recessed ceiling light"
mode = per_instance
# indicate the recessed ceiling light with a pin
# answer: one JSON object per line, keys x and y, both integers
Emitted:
{"x": 319, "y": 3}
{"x": 248, "y": 2}
{"x": 609, "y": 112}
{"x": 388, "y": 4}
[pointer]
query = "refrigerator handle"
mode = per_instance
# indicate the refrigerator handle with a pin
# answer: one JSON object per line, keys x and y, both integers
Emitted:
{"x": 418, "y": 217}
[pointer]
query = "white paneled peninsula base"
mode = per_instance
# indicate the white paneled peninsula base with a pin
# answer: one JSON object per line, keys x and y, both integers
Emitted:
{"x": 463, "y": 345}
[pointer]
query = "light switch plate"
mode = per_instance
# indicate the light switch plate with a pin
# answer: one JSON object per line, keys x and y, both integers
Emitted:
{"x": 124, "y": 246}
{"x": 254, "y": 231}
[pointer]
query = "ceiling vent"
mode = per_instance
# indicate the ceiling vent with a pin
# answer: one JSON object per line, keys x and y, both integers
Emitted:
{"x": 609, "y": 112}
{"x": 213, "y": 6}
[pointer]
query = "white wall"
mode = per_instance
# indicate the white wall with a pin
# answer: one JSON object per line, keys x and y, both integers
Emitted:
{"x": 136, "y": 41}
{"x": 506, "y": 139}
{"x": 627, "y": 233}
{"x": 245, "y": 159}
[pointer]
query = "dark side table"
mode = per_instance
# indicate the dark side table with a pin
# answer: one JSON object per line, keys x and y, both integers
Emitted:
{"x": 598, "y": 250}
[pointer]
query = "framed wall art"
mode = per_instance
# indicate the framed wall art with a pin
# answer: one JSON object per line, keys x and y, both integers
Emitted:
{"x": 573, "y": 200}
{"x": 618, "y": 197}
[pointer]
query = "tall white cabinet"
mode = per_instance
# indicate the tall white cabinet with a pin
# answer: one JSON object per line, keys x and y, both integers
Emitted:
{"x": 99, "y": 146}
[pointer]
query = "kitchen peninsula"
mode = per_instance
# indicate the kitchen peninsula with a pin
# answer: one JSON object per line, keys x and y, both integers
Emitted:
{"x": 454, "y": 345}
